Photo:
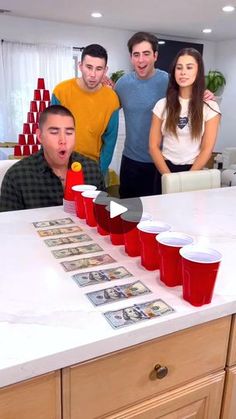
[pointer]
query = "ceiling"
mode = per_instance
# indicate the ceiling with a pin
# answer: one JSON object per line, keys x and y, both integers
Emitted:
{"x": 166, "y": 17}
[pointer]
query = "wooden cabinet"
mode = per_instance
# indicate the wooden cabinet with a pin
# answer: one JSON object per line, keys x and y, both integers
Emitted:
{"x": 229, "y": 399}
{"x": 118, "y": 382}
{"x": 199, "y": 400}
{"x": 181, "y": 375}
{"x": 38, "y": 398}
{"x": 231, "y": 358}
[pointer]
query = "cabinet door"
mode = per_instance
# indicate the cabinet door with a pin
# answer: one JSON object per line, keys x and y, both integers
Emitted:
{"x": 231, "y": 359}
{"x": 229, "y": 401}
{"x": 38, "y": 398}
{"x": 198, "y": 400}
{"x": 124, "y": 378}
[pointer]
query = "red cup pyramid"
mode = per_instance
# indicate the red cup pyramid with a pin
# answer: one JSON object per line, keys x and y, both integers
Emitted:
{"x": 27, "y": 141}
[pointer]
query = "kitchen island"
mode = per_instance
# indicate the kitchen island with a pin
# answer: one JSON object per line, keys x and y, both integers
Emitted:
{"x": 52, "y": 336}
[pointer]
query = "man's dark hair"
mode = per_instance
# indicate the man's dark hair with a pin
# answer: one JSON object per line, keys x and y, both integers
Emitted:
{"x": 139, "y": 37}
{"x": 54, "y": 110}
{"x": 94, "y": 50}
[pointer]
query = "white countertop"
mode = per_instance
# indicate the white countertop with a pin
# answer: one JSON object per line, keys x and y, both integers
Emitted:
{"x": 46, "y": 321}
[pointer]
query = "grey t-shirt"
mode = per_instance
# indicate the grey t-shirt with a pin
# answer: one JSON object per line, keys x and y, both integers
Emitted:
{"x": 137, "y": 98}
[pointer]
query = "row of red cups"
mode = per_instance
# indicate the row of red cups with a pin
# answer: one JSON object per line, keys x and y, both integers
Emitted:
{"x": 30, "y": 128}
{"x": 38, "y": 105}
{"x": 33, "y": 117}
{"x": 179, "y": 260}
{"x": 93, "y": 205}
{"x": 41, "y": 94}
{"x": 26, "y": 150}
{"x": 29, "y": 139}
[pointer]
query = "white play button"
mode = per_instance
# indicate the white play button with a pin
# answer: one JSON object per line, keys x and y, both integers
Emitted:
{"x": 109, "y": 210}
{"x": 116, "y": 209}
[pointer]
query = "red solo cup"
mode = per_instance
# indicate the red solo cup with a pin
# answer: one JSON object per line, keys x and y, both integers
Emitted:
{"x": 37, "y": 117}
{"x": 35, "y": 148}
{"x": 101, "y": 214}
{"x": 30, "y": 117}
{"x": 115, "y": 227}
{"x": 72, "y": 178}
{"x": 88, "y": 197}
{"x": 34, "y": 128}
{"x": 200, "y": 266}
{"x": 30, "y": 139}
{"x": 37, "y": 141}
{"x": 79, "y": 202}
{"x": 149, "y": 246}
{"x": 130, "y": 220}
{"x": 42, "y": 106}
{"x": 37, "y": 95}
{"x": 41, "y": 84}
{"x": 46, "y": 95}
{"x": 26, "y": 150}
{"x": 17, "y": 151}
{"x": 170, "y": 243}
{"x": 21, "y": 139}
{"x": 26, "y": 128}
{"x": 33, "y": 106}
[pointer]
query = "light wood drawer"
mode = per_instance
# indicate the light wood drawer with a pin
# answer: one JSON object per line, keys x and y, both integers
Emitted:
{"x": 38, "y": 398}
{"x": 231, "y": 359}
{"x": 200, "y": 399}
{"x": 111, "y": 382}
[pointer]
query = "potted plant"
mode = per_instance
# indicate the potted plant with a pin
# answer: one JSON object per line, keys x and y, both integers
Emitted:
{"x": 215, "y": 81}
{"x": 116, "y": 75}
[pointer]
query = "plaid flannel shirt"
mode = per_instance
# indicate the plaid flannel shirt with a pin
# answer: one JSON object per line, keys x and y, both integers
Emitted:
{"x": 31, "y": 183}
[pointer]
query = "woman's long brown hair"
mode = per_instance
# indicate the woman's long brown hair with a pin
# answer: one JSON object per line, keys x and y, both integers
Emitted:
{"x": 173, "y": 107}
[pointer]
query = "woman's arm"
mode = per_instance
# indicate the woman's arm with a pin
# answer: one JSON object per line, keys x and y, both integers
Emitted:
{"x": 208, "y": 142}
{"x": 155, "y": 144}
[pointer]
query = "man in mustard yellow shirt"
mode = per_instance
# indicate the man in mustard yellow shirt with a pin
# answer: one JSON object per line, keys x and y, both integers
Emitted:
{"x": 95, "y": 107}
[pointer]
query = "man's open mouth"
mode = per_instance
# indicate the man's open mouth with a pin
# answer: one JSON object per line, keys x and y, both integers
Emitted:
{"x": 62, "y": 152}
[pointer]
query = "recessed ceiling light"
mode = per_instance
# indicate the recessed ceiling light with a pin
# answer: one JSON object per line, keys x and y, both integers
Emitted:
{"x": 96, "y": 14}
{"x": 228, "y": 9}
{"x": 207, "y": 30}
{"x": 161, "y": 42}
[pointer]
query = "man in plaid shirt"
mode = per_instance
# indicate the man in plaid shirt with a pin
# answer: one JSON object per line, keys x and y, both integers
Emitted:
{"x": 38, "y": 180}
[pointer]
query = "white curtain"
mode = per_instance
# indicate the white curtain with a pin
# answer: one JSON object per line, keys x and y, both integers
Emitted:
{"x": 20, "y": 67}
{"x": 2, "y": 97}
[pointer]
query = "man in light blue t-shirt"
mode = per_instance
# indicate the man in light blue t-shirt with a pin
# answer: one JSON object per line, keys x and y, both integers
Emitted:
{"x": 138, "y": 93}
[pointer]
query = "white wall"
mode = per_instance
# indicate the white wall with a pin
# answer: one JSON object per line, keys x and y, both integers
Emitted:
{"x": 42, "y": 31}
{"x": 226, "y": 62}
{"x": 114, "y": 40}
{"x": 209, "y": 55}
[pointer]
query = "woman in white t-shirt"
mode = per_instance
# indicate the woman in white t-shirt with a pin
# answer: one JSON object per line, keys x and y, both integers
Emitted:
{"x": 184, "y": 126}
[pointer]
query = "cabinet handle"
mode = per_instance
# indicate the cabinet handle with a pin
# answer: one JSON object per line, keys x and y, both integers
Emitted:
{"x": 160, "y": 371}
